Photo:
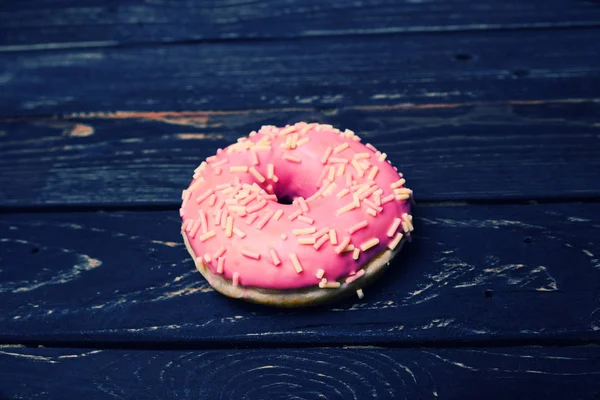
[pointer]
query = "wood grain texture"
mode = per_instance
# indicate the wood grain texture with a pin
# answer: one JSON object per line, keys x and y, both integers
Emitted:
{"x": 319, "y": 72}
{"x": 510, "y": 274}
{"x": 537, "y": 150}
{"x": 51, "y": 24}
{"x": 345, "y": 373}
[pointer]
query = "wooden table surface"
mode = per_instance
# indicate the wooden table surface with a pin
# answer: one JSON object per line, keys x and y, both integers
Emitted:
{"x": 491, "y": 109}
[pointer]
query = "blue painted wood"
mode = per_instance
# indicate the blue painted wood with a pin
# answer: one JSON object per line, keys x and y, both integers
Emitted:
{"x": 490, "y": 274}
{"x": 317, "y": 72}
{"x": 28, "y": 25}
{"x": 465, "y": 152}
{"x": 342, "y": 373}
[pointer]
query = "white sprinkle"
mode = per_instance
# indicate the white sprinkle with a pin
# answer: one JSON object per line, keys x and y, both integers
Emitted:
{"x": 303, "y": 205}
{"x": 239, "y": 232}
{"x": 360, "y": 293}
{"x": 333, "y": 237}
{"x": 283, "y": 236}
{"x": 330, "y": 188}
{"x": 373, "y": 173}
{"x": 306, "y": 240}
{"x": 296, "y": 262}
{"x": 398, "y": 183}
{"x": 304, "y": 231}
{"x": 220, "y": 265}
{"x": 264, "y": 220}
{"x": 236, "y": 279}
{"x": 328, "y": 152}
{"x": 220, "y": 252}
{"x": 358, "y": 226}
{"x": 256, "y": 207}
{"x": 341, "y": 147}
{"x": 306, "y": 219}
{"x": 207, "y": 235}
{"x": 342, "y": 193}
{"x": 382, "y": 157}
{"x": 195, "y": 228}
{"x": 251, "y": 219}
{"x": 238, "y": 168}
{"x": 203, "y": 221}
{"x": 250, "y": 254}
{"x": 342, "y": 246}
{"x": 274, "y": 257}
{"x": 290, "y": 158}
{"x": 257, "y": 174}
{"x": 321, "y": 242}
{"x": 369, "y": 244}
{"x": 270, "y": 171}
{"x": 355, "y": 254}
{"x": 229, "y": 227}
{"x": 277, "y": 215}
{"x": 320, "y": 273}
{"x": 204, "y": 196}
{"x": 394, "y": 227}
{"x": 387, "y": 199}
{"x": 371, "y": 212}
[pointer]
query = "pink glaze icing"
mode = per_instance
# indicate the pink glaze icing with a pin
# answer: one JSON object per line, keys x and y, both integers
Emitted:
{"x": 253, "y": 248}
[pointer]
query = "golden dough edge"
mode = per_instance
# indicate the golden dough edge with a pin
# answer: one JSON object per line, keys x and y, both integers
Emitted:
{"x": 303, "y": 297}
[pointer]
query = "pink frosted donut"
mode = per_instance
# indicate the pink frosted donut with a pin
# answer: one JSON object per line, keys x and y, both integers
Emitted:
{"x": 295, "y": 215}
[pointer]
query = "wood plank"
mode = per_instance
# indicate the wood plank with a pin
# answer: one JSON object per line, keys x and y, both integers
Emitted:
{"x": 508, "y": 274}
{"x": 348, "y": 373}
{"x": 28, "y": 25}
{"x": 323, "y": 73}
{"x": 538, "y": 150}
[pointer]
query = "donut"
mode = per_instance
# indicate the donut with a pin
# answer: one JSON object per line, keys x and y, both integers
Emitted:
{"x": 295, "y": 216}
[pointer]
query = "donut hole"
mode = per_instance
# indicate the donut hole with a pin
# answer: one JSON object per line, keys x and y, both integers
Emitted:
{"x": 285, "y": 199}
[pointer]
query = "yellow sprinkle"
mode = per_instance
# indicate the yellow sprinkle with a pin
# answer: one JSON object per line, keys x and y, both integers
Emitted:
{"x": 257, "y": 174}
{"x": 229, "y": 226}
{"x": 331, "y": 174}
{"x": 341, "y": 170}
{"x": 207, "y": 235}
{"x": 341, "y": 148}
{"x": 238, "y": 168}
{"x": 328, "y": 152}
{"x": 382, "y": 157}
{"x": 373, "y": 173}
{"x": 302, "y": 141}
{"x": 307, "y": 240}
{"x": 358, "y": 168}
{"x": 333, "y": 237}
{"x": 304, "y": 231}
{"x": 290, "y": 158}
{"x": 277, "y": 215}
{"x": 398, "y": 183}
{"x": 369, "y": 244}
{"x": 395, "y": 241}
{"x": 355, "y": 254}
{"x": 296, "y": 262}
{"x": 359, "y": 156}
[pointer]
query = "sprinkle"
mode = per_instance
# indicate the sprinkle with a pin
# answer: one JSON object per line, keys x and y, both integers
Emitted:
{"x": 185, "y": 194}
{"x": 355, "y": 254}
{"x": 201, "y": 167}
{"x": 342, "y": 193}
{"x": 238, "y": 168}
{"x": 328, "y": 152}
{"x": 302, "y": 141}
{"x": 358, "y": 168}
{"x": 250, "y": 254}
{"x": 370, "y": 146}
{"x": 247, "y": 200}
{"x": 329, "y": 189}
{"x": 283, "y": 236}
{"x": 347, "y": 207}
{"x": 256, "y": 207}
{"x": 398, "y": 183}
{"x": 358, "y": 226}
{"x": 212, "y": 200}
{"x": 207, "y": 258}
{"x": 211, "y": 159}
{"x": 341, "y": 170}
{"x": 236, "y": 279}
{"x": 341, "y": 148}
{"x": 395, "y": 241}
{"x": 295, "y": 215}
{"x": 382, "y": 157}
{"x": 195, "y": 228}
{"x": 203, "y": 221}
{"x": 185, "y": 224}
{"x": 218, "y": 217}
{"x": 363, "y": 189}
{"x": 402, "y": 197}
{"x": 287, "y": 130}
{"x": 361, "y": 156}
{"x": 348, "y": 179}
{"x": 324, "y": 231}
{"x": 321, "y": 242}
{"x": 291, "y": 158}
{"x": 371, "y": 212}
{"x": 257, "y": 174}
{"x": 373, "y": 173}
{"x": 373, "y": 205}
{"x": 387, "y": 199}
{"x": 220, "y": 252}
{"x": 181, "y": 212}
{"x": 320, "y": 273}
{"x": 263, "y": 221}
{"x": 270, "y": 171}
{"x": 303, "y": 205}
{"x": 229, "y": 226}
{"x": 331, "y": 174}
{"x": 369, "y": 244}
{"x": 207, "y": 235}
{"x": 204, "y": 196}
{"x": 360, "y": 293}
{"x": 376, "y": 199}
{"x": 220, "y": 265}
{"x": 407, "y": 219}
{"x": 231, "y": 201}
{"x": 294, "y": 141}
{"x": 337, "y": 160}
{"x": 275, "y": 178}
{"x": 349, "y": 133}
{"x": 296, "y": 262}
{"x": 307, "y": 128}
{"x": 306, "y": 219}
{"x": 333, "y": 237}
{"x": 228, "y": 191}
{"x": 348, "y": 248}
{"x": 277, "y": 215}
{"x": 394, "y": 227}
{"x": 223, "y": 218}
{"x": 307, "y": 240}
{"x": 251, "y": 219}
{"x": 220, "y": 162}
{"x": 239, "y": 232}
{"x": 328, "y": 285}
{"x": 342, "y": 246}
{"x": 274, "y": 257}
{"x": 304, "y": 231}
